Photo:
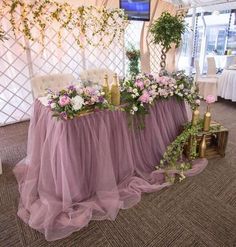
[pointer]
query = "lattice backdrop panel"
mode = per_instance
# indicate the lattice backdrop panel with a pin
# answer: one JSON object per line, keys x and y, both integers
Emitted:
{"x": 17, "y": 65}
{"x": 15, "y": 91}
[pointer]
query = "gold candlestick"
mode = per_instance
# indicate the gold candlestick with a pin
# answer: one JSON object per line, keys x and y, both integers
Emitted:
{"x": 115, "y": 91}
{"x": 202, "y": 147}
{"x": 106, "y": 88}
{"x": 195, "y": 116}
{"x": 207, "y": 119}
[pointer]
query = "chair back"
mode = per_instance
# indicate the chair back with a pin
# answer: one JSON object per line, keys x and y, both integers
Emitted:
{"x": 211, "y": 66}
{"x": 40, "y": 84}
{"x": 96, "y": 76}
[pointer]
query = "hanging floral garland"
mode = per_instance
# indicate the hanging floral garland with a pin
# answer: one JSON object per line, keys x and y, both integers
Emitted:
{"x": 88, "y": 25}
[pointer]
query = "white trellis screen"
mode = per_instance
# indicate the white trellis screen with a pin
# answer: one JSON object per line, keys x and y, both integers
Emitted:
{"x": 17, "y": 66}
{"x": 132, "y": 36}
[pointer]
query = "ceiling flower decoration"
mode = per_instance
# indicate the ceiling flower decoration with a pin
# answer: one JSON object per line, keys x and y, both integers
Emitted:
{"x": 89, "y": 25}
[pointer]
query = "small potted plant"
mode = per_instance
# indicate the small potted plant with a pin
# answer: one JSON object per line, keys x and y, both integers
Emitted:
{"x": 133, "y": 55}
{"x": 167, "y": 30}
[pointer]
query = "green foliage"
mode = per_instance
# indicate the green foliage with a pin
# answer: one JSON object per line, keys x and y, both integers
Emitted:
{"x": 167, "y": 30}
{"x": 172, "y": 158}
{"x": 2, "y": 34}
{"x": 133, "y": 55}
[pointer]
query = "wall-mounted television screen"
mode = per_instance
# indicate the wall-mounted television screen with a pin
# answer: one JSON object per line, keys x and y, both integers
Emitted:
{"x": 136, "y": 9}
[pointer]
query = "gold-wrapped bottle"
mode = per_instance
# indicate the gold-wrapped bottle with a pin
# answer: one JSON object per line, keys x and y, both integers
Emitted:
{"x": 207, "y": 120}
{"x": 195, "y": 116}
{"x": 115, "y": 91}
{"x": 106, "y": 88}
{"x": 202, "y": 147}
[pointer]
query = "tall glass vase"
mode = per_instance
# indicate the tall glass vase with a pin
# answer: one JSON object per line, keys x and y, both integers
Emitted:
{"x": 207, "y": 119}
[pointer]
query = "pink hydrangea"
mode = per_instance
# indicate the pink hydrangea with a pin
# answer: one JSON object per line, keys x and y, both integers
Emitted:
{"x": 139, "y": 84}
{"x": 145, "y": 97}
{"x": 210, "y": 99}
{"x": 164, "y": 80}
{"x": 64, "y": 100}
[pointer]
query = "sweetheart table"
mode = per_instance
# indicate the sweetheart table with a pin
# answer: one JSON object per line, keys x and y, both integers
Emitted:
{"x": 90, "y": 167}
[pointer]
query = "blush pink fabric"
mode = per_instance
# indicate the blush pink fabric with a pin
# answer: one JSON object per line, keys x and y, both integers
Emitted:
{"x": 90, "y": 167}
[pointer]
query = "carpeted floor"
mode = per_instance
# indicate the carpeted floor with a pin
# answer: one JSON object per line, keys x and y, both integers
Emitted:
{"x": 200, "y": 211}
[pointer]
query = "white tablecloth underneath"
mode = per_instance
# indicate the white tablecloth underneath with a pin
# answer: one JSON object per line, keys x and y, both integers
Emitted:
{"x": 224, "y": 61}
{"x": 227, "y": 85}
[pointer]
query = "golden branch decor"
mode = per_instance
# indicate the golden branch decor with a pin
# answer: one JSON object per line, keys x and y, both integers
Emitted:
{"x": 89, "y": 25}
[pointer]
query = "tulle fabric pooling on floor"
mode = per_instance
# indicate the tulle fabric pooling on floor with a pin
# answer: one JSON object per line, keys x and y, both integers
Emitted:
{"x": 90, "y": 167}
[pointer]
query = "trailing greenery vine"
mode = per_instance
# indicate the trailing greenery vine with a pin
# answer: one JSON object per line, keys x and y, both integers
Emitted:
{"x": 173, "y": 156}
{"x": 89, "y": 25}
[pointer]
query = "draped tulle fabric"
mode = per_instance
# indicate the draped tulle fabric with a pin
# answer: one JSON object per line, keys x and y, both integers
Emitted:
{"x": 90, "y": 167}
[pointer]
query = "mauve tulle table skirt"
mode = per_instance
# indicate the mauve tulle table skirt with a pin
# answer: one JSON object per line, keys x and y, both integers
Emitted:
{"x": 90, "y": 167}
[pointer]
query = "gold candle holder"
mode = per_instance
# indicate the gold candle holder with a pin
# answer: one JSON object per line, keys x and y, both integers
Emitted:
{"x": 195, "y": 116}
{"x": 207, "y": 120}
{"x": 106, "y": 88}
{"x": 202, "y": 147}
{"x": 115, "y": 91}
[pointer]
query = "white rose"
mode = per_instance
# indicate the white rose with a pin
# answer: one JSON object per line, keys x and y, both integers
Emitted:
{"x": 133, "y": 95}
{"x": 181, "y": 86}
{"x": 53, "y": 105}
{"x": 135, "y": 108}
{"x": 135, "y": 91}
{"x": 192, "y": 89}
{"x": 154, "y": 87}
{"x": 77, "y": 102}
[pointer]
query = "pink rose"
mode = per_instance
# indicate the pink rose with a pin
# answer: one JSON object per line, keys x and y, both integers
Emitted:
{"x": 210, "y": 99}
{"x": 144, "y": 98}
{"x": 164, "y": 80}
{"x": 64, "y": 100}
{"x": 139, "y": 84}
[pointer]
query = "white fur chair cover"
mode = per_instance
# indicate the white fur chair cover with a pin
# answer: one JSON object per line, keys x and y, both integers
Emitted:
{"x": 55, "y": 82}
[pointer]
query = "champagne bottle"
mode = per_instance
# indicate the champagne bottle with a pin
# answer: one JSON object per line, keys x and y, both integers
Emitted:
{"x": 115, "y": 91}
{"x": 105, "y": 88}
{"x": 202, "y": 147}
{"x": 195, "y": 116}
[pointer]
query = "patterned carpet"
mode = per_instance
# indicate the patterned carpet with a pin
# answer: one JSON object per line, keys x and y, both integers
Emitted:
{"x": 200, "y": 211}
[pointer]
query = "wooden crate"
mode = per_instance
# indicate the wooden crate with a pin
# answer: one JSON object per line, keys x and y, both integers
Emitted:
{"x": 216, "y": 141}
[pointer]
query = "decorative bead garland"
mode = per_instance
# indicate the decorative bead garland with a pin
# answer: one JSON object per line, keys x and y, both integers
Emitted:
{"x": 89, "y": 25}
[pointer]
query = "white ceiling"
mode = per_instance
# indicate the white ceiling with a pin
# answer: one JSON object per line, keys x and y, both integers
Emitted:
{"x": 200, "y": 3}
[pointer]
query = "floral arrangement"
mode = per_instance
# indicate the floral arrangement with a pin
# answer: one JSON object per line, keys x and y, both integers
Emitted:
{"x": 210, "y": 99}
{"x": 74, "y": 101}
{"x": 133, "y": 55}
{"x": 142, "y": 91}
{"x": 138, "y": 93}
{"x": 89, "y": 25}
